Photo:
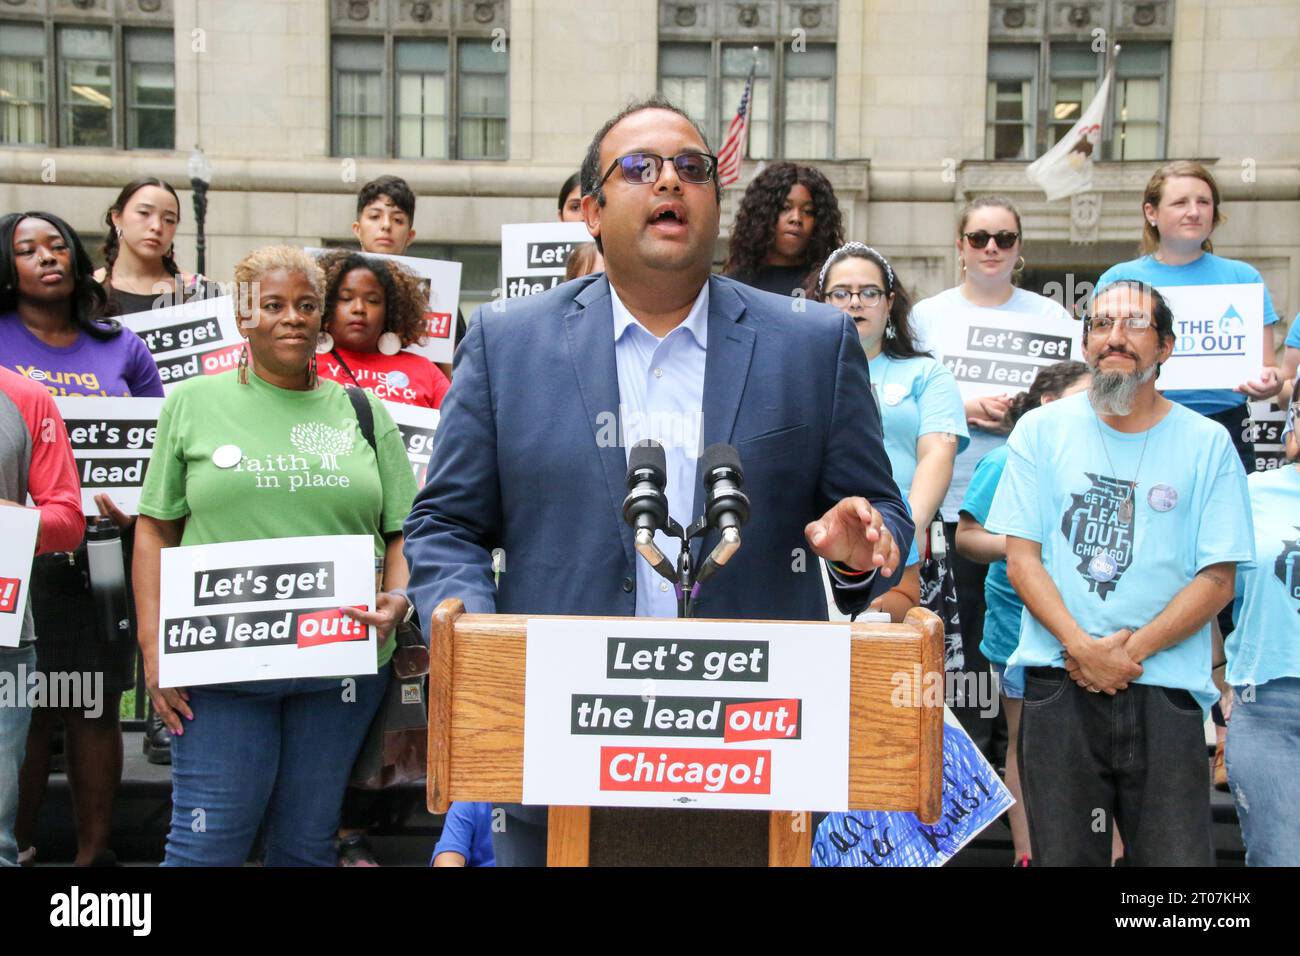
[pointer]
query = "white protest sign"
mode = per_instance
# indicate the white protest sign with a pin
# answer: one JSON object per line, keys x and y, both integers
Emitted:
{"x": 992, "y": 352}
{"x": 112, "y": 440}
{"x": 1263, "y": 430}
{"x": 225, "y": 615}
{"x": 198, "y": 337}
{"x": 18, "y": 529}
{"x": 641, "y": 713}
{"x": 535, "y": 254}
{"x": 417, "y": 425}
{"x": 1218, "y": 335}
{"x": 440, "y": 279}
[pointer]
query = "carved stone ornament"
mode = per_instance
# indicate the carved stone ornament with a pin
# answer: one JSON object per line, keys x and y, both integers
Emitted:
{"x": 748, "y": 15}
{"x": 810, "y": 18}
{"x": 1013, "y": 18}
{"x": 484, "y": 13}
{"x": 1085, "y": 217}
{"x": 359, "y": 10}
{"x": 685, "y": 16}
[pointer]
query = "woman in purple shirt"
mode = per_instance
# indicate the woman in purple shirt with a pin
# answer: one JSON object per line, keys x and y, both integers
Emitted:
{"x": 51, "y": 332}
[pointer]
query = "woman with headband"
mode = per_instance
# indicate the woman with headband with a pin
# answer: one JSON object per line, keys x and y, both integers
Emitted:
{"x": 920, "y": 407}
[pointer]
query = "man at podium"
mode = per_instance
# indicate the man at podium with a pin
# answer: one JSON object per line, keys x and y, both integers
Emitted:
{"x": 528, "y": 467}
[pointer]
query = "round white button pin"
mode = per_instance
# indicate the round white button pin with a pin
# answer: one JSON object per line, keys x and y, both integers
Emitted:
{"x": 227, "y": 456}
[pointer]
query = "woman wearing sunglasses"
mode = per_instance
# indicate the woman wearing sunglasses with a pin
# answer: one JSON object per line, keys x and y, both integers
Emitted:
{"x": 989, "y": 247}
{"x": 1263, "y": 751}
{"x": 788, "y": 220}
{"x": 920, "y": 407}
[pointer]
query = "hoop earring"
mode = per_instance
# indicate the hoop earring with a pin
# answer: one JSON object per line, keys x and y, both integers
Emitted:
{"x": 1020, "y": 264}
{"x": 243, "y": 364}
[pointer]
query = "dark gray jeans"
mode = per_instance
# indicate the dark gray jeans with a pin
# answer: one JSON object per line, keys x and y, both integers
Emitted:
{"x": 1138, "y": 758}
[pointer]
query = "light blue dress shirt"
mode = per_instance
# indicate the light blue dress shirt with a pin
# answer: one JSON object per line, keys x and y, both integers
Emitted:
{"x": 661, "y": 396}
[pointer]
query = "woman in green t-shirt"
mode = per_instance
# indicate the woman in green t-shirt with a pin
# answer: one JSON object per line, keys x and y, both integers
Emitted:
{"x": 269, "y": 451}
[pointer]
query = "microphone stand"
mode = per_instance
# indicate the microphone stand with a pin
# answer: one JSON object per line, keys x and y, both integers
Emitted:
{"x": 684, "y": 578}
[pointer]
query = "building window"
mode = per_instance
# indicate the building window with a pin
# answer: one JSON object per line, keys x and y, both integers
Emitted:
{"x": 86, "y": 86}
{"x": 707, "y": 80}
{"x": 150, "y": 90}
{"x": 418, "y": 98}
{"x": 422, "y": 99}
{"x": 114, "y": 86}
{"x": 358, "y": 97}
{"x": 1024, "y": 118}
{"x": 1010, "y": 110}
{"x": 708, "y": 47}
{"x": 1139, "y": 98}
{"x": 22, "y": 84}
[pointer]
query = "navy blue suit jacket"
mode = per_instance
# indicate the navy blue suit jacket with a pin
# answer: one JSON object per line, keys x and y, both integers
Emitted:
{"x": 522, "y": 460}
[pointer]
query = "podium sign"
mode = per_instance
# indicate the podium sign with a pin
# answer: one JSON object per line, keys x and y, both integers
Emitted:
{"x": 662, "y": 713}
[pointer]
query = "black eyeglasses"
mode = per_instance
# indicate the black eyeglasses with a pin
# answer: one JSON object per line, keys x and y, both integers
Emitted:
{"x": 644, "y": 168}
{"x": 842, "y": 296}
{"x": 980, "y": 238}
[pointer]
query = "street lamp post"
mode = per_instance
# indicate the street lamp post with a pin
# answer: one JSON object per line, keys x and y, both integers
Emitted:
{"x": 200, "y": 170}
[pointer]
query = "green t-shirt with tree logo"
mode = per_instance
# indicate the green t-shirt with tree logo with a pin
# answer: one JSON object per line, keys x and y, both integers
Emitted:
{"x": 248, "y": 462}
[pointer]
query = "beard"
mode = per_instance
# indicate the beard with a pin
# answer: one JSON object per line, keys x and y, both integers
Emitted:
{"x": 1113, "y": 393}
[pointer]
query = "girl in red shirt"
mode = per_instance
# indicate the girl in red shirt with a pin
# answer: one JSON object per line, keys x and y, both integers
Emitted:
{"x": 374, "y": 309}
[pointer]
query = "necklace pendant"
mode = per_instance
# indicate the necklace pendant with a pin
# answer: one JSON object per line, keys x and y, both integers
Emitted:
{"x": 1126, "y": 510}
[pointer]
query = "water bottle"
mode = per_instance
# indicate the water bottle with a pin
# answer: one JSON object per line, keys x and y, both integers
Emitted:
{"x": 108, "y": 579}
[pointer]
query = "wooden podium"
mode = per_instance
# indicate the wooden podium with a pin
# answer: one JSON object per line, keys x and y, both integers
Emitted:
{"x": 476, "y": 725}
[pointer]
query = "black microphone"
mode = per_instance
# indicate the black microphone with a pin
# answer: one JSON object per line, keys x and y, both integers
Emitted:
{"x": 646, "y": 506}
{"x": 727, "y": 505}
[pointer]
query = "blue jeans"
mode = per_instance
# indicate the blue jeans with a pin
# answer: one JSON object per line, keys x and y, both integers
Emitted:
{"x": 276, "y": 752}
{"x": 1263, "y": 760}
{"x": 15, "y": 718}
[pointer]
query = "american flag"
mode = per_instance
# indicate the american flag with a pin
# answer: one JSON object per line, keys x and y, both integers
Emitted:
{"x": 733, "y": 150}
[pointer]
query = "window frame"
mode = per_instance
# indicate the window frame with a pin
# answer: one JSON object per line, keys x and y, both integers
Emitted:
{"x": 388, "y": 88}
{"x": 51, "y": 93}
{"x": 55, "y": 100}
{"x": 1041, "y": 92}
{"x": 720, "y": 113}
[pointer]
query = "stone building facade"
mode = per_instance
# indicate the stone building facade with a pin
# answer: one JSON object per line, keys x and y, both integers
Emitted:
{"x": 485, "y": 106}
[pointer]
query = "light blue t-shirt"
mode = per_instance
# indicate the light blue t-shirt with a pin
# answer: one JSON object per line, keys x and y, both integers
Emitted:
{"x": 1209, "y": 269}
{"x": 1293, "y": 336}
{"x": 916, "y": 396}
{"x": 1266, "y": 642}
{"x": 1190, "y": 510}
{"x": 951, "y": 304}
{"x": 1002, "y": 604}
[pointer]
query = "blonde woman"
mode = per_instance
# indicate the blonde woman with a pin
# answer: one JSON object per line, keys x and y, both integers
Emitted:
{"x": 275, "y": 753}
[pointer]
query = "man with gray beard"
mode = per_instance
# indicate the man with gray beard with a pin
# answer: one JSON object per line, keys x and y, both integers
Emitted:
{"x": 1125, "y": 516}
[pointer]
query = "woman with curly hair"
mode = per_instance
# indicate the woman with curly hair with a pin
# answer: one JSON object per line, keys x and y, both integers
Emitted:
{"x": 788, "y": 220}
{"x": 374, "y": 309}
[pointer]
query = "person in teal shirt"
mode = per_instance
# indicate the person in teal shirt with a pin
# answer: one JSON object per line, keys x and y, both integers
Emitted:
{"x": 921, "y": 410}
{"x": 1181, "y": 209}
{"x": 1126, "y": 515}
{"x": 1002, "y": 617}
{"x": 1263, "y": 751}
